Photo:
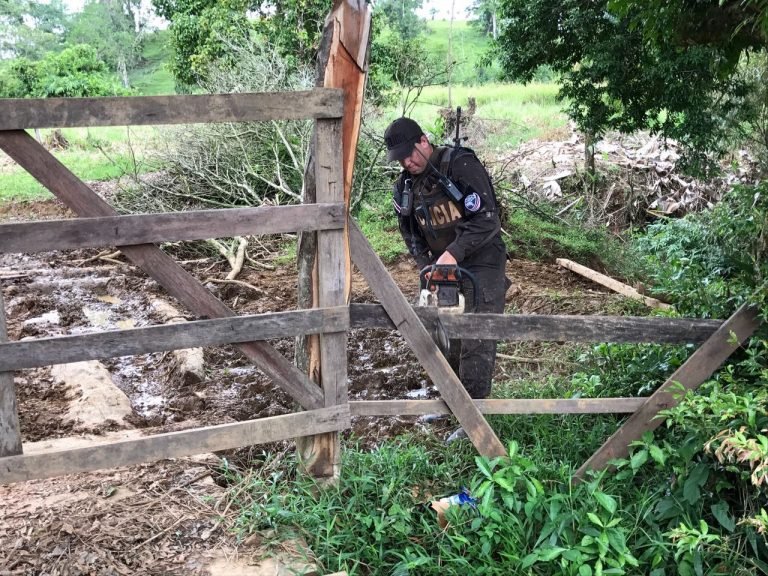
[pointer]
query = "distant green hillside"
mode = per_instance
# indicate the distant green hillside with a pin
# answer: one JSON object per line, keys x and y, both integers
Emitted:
{"x": 151, "y": 77}
{"x": 468, "y": 45}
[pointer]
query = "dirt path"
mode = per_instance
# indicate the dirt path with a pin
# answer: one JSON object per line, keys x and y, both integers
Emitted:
{"x": 173, "y": 516}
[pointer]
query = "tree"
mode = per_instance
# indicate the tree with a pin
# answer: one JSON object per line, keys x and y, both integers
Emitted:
{"x": 400, "y": 68}
{"x": 618, "y": 72}
{"x": 114, "y": 29}
{"x": 29, "y": 29}
{"x": 203, "y": 30}
{"x": 486, "y": 16}
{"x": 400, "y": 15}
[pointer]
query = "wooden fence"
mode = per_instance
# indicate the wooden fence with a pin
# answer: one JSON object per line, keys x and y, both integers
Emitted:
{"x": 136, "y": 235}
{"x": 327, "y": 408}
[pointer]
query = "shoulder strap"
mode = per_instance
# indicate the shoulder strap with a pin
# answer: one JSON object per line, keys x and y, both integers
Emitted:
{"x": 449, "y": 155}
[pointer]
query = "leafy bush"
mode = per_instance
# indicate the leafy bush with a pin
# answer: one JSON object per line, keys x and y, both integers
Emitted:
{"x": 709, "y": 263}
{"x": 76, "y": 71}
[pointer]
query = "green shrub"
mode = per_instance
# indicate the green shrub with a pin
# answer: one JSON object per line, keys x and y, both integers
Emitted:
{"x": 711, "y": 262}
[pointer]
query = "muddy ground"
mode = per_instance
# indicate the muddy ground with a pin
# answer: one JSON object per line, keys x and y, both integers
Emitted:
{"x": 174, "y": 516}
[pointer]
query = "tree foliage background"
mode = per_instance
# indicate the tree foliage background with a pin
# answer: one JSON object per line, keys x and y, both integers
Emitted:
{"x": 47, "y": 52}
{"x": 669, "y": 67}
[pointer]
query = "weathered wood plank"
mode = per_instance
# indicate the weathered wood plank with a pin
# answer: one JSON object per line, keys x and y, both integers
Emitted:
{"x": 172, "y": 445}
{"x": 325, "y": 451}
{"x": 542, "y": 328}
{"x": 406, "y": 321}
{"x": 170, "y": 227}
{"x": 200, "y": 333}
{"x": 498, "y": 406}
{"x": 20, "y": 114}
{"x": 612, "y": 283}
{"x": 10, "y": 433}
{"x": 694, "y": 371}
{"x": 52, "y": 174}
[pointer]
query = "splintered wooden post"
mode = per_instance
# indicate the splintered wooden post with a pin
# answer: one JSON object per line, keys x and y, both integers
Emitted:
{"x": 322, "y": 454}
{"x": 10, "y": 434}
{"x": 694, "y": 371}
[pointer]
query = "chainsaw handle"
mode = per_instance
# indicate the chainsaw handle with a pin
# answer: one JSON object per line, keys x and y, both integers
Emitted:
{"x": 461, "y": 273}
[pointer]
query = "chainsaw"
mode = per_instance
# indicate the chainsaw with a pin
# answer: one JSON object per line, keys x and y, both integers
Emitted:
{"x": 440, "y": 287}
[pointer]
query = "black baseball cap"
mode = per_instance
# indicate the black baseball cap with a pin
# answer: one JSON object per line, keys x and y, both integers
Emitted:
{"x": 400, "y": 137}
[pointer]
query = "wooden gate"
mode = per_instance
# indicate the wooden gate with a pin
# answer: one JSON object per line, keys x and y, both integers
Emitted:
{"x": 136, "y": 235}
{"x": 326, "y": 409}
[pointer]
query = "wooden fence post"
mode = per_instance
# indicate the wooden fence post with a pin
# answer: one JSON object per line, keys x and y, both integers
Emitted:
{"x": 321, "y": 454}
{"x": 10, "y": 434}
{"x": 694, "y": 371}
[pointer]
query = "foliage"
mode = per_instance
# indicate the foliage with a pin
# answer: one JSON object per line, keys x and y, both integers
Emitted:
{"x": 199, "y": 31}
{"x": 401, "y": 17}
{"x": 76, "y": 71}
{"x": 711, "y": 262}
{"x": 239, "y": 164}
{"x": 732, "y": 27}
{"x": 296, "y": 29}
{"x": 401, "y": 68}
{"x": 751, "y": 119}
{"x": 528, "y": 517}
{"x": 202, "y": 30}
{"x": 486, "y": 16}
{"x": 615, "y": 77}
{"x": 113, "y": 30}
{"x": 29, "y": 29}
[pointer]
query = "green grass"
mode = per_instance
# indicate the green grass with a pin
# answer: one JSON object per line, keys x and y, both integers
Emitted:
{"x": 151, "y": 77}
{"x": 506, "y": 114}
{"x": 95, "y": 154}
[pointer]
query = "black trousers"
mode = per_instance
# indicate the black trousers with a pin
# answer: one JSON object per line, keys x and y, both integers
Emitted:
{"x": 473, "y": 361}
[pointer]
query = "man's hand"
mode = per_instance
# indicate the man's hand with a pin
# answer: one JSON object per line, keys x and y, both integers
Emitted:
{"x": 446, "y": 258}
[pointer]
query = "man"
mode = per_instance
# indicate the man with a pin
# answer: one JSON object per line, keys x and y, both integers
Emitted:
{"x": 458, "y": 226}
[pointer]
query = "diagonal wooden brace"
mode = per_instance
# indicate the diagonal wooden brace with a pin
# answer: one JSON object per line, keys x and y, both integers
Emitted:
{"x": 692, "y": 374}
{"x": 411, "y": 328}
{"x": 73, "y": 192}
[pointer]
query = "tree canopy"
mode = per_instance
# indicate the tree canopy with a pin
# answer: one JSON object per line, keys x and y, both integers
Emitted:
{"x": 29, "y": 29}
{"x": 628, "y": 66}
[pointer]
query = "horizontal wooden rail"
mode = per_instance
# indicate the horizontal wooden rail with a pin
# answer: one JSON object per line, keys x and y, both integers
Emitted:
{"x": 499, "y": 406}
{"x": 199, "y": 333}
{"x": 20, "y": 114}
{"x": 524, "y": 327}
{"x": 73, "y": 233}
{"x": 173, "y": 444}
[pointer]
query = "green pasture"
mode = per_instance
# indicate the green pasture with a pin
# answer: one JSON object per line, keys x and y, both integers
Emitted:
{"x": 94, "y": 154}
{"x": 506, "y": 114}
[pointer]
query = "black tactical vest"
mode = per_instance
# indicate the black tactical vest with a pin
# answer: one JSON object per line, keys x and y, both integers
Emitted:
{"x": 434, "y": 212}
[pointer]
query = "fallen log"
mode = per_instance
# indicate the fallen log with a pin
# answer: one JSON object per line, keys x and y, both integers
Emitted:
{"x": 614, "y": 285}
